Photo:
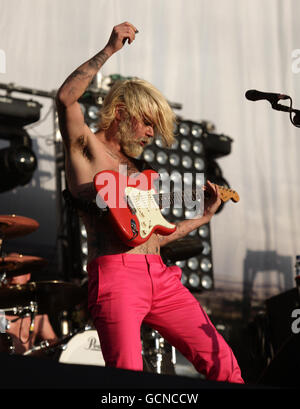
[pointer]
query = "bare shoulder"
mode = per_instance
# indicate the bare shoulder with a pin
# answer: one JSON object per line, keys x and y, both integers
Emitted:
{"x": 75, "y": 133}
{"x": 83, "y": 160}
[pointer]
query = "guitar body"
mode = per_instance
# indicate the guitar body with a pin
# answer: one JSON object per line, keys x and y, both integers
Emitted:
{"x": 133, "y": 211}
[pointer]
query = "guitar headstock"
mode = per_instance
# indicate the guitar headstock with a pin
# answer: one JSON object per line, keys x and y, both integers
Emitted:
{"x": 227, "y": 194}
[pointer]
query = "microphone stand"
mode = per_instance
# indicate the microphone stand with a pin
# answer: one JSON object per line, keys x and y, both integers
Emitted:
{"x": 279, "y": 107}
{"x": 296, "y": 120}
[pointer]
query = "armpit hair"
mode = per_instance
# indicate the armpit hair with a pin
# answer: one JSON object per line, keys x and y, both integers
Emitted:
{"x": 82, "y": 145}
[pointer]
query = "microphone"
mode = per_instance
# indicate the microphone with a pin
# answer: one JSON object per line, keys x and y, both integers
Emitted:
{"x": 254, "y": 95}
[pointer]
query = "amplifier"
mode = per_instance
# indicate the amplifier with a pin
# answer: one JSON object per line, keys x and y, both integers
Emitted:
{"x": 216, "y": 145}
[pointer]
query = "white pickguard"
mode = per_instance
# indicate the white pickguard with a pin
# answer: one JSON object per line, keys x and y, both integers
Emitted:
{"x": 147, "y": 210}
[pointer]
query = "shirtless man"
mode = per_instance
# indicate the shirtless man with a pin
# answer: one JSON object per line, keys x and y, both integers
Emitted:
{"x": 128, "y": 286}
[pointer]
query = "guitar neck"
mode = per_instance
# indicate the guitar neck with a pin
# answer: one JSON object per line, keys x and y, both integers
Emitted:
{"x": 165, "y": 199}
{"x": 227, "y": 194}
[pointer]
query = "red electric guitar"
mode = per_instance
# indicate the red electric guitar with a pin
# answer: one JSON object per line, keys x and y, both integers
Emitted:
{"x": 134, "y": 206}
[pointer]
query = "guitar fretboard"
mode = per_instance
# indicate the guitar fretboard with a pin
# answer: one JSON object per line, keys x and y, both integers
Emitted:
{"x": 188, "y": 197}
{"x": 175, "y": 199}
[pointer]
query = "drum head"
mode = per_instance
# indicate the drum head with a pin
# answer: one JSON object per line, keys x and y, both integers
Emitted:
{"x": 84, "y": 348}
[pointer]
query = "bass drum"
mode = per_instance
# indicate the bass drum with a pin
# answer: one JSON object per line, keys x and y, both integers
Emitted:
{"x": 83, "y": 349}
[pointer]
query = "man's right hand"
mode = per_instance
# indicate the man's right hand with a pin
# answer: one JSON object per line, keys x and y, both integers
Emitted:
{"x": 119, "y": 35}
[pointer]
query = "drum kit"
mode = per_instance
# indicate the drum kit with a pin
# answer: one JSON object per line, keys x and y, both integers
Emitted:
{"x": 78, "y": 346}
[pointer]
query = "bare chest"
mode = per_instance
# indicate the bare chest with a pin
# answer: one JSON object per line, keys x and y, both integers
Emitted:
{"x": 81, "y": 174}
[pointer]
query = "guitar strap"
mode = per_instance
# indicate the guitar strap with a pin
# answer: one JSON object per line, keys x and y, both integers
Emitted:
{"x": 86, "y": 206}
{"x": 91, "y": 207}
{"x": 142, "y": 165}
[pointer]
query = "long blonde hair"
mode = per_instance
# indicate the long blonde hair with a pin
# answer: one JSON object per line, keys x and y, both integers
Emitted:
{"x": 142, "y": 101}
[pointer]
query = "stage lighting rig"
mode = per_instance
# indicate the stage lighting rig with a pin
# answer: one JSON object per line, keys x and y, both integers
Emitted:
{"x": 195, "y": 150}
{"x": 180, "y": 164}
{"x": 18, "y": 161}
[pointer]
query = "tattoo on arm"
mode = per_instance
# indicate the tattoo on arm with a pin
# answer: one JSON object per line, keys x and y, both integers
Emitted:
{"x": 80, "y": 79}
{"x": 80, "y": 75}
{"x": 98, "y": 60}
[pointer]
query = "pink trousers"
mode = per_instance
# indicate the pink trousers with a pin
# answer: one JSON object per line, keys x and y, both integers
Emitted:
{"x": 128, "y": 289}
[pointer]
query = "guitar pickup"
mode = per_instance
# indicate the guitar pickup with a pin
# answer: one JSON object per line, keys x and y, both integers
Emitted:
{"x": 130, "y": 205}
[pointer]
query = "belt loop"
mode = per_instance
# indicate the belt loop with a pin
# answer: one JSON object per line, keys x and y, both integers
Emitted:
{"x": 124, "y": 259}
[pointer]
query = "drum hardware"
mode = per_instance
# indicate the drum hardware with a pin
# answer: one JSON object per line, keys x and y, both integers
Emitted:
{"x": 159, "y": 345}
{"x": 65, "y": 327}
{"x": 155, "y": 351}
{"x": 82, "y": 347}
{"x": 42, "y": 345}
{"x": 22, "y": 311}
{"x": 49, "y": 347}
{"x": 173, "y": 357}
{"x": 3, "y": 322}
{"x": 30, "y": 299}
{"x": 3, "y": 280}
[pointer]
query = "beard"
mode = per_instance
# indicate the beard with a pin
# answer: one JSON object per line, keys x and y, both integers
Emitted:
{"x": 126, "y": 137}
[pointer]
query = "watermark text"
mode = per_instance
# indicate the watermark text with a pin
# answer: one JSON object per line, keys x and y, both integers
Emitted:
{"x": 2, "y": 62}
{"x": 296, "y": 323}
{"x": 296, "y": 61}
{"x": 140, "y": 191}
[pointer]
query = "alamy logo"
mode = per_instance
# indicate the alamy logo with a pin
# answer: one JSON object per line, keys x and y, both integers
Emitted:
{"x": 296, "y": 61}
{"x": 296, "y": 323}
{"x": 2, "y": 62}
{"x": 119, "y": 190}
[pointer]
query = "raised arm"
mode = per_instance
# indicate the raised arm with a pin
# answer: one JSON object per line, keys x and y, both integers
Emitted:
{"x": 71, "y": 119}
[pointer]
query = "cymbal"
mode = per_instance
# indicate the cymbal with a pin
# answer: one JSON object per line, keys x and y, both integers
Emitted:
{"x": 15, "y": 264}
{"x": 12, "y": 226}
{"x": 50, "y": 296}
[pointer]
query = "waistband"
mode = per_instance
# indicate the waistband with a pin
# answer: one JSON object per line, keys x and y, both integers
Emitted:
{"x": 127, "y": 259}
